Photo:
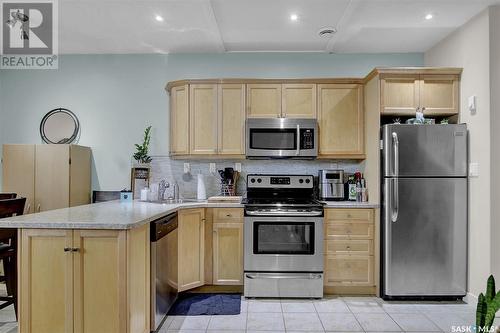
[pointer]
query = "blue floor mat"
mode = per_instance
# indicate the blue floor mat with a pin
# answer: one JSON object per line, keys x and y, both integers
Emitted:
{"x": 206, "y": 304}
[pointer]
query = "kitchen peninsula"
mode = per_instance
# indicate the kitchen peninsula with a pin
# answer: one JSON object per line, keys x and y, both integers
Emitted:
{"x": 66, "y": 284}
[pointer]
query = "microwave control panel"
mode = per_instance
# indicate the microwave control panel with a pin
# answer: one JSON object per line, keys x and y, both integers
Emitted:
{"x": 306, "y": 138}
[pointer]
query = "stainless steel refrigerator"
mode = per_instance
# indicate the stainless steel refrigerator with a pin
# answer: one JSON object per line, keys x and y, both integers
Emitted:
{"x": 424, "y": 213}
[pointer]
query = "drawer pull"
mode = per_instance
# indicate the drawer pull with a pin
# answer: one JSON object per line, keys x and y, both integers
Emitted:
{"x": 228, "y": 215}
{"x": 348, "y": 248}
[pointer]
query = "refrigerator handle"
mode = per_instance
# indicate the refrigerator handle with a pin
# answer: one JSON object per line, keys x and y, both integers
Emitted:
{"x": 395, "y": 200}
{"x": 395, "y": 148}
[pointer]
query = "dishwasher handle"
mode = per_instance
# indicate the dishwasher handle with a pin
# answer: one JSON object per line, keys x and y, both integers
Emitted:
{"x": 163, "y": 226}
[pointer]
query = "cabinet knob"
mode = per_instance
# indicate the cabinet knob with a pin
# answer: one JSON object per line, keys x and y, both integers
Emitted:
{"x": 75, "y": 249}
{"x": 348, "y": 248}
{"x": 228, "y": 215}
{"x": 67, "y": 249}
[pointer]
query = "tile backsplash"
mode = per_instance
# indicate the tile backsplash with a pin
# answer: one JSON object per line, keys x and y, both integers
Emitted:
{"x": 162, "y": 167}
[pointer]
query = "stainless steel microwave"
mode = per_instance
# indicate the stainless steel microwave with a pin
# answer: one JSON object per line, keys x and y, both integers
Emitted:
{"x": 282, "y": 138}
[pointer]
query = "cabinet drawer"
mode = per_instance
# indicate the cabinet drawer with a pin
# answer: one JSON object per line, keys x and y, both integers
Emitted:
{"x": 228, "y": 214}
{"x": 349, "y": 230}
{"x": 348, "y": 270}
{"x": 349, "y": 214}
{"x": 349, "y": 247}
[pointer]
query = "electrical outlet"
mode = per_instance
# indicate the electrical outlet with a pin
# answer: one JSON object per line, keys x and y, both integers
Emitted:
{"x": 237, "y": 167}
{"x": 474, "y": 169}
{"x": 213, "y": 168}
{"x": 187, "y": 168}
{"x": 472, "y": 104}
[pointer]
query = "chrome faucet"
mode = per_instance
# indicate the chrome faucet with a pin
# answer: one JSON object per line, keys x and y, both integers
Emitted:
{"x": 162, "y": 188}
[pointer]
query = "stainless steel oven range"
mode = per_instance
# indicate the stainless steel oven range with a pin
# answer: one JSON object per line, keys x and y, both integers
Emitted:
{"x": 283, "y": 237}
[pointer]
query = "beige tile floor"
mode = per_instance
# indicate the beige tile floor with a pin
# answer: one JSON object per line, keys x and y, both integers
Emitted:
{"x": 336, "y": 314}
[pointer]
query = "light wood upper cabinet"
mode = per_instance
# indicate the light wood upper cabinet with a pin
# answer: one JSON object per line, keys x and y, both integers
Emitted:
{"x": 179, "y": 120}
{"x": 341, "y": 121}
{"x": 402, "y": 94}
{"x": 263, "y": 100}
{"x": 439, "y": 94}
{"x": 19, "y": 173}
{"x": 399, "y": 93}
{"x": 299, "y": 100}
{"x": 84, "y": 281}
{"x": 50, "y": 176}
{"x": 46, "y": 281}
{"x": 191, "y": 233}
{"x": 231, "y": 119}
{"x": 203, "y": 119}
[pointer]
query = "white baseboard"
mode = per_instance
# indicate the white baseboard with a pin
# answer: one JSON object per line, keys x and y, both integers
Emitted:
{"x": 470, "y": 299}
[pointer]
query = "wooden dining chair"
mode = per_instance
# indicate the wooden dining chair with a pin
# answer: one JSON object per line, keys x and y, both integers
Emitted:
{"x": 5, "y": 196}
{"x": 8, "y": 250}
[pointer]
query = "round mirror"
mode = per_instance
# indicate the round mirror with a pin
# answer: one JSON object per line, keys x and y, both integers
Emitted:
{"x": 59, "y": 126}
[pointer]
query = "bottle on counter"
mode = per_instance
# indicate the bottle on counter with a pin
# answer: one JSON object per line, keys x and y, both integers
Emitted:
{"x": 359, "y": 188}
{"x": 364, "y": 191}
{"x": 351, "y": 188}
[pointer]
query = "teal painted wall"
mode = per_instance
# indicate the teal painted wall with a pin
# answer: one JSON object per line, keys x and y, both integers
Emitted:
{"x": 117, "y": 96}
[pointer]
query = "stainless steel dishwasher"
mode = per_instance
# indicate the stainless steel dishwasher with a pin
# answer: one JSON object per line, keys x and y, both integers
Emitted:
{"x": 163, "y": 268}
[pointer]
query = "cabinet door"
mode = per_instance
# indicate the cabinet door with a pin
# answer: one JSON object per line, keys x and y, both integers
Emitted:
{"x": 439, "y": 94}
{"x": 191, "y": 248}
{"x": 179, "y": 120}
{"x": 263, "y": 100}
{"x": 51, "y": 177}
{"x": 19, "y": 173}
{"x": 299, "y": 100}
{"x": 341, "y": 121}
{"x": 399, "y": 94}
{"x": 46, "y": 281}
{"x": 345, "y": 270}
{"x": 228, "y": 254}
{"x": 100, "y": 281}
{"x": 80, "y": 176}
{"x": 231, "y": 115}
{"x": 203, "y": 119}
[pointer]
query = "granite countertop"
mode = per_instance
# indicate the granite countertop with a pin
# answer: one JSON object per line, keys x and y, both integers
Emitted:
{"x": 105, "y": 215}
{"x": 349, "y": 204}
{"x": 125, "y": 215}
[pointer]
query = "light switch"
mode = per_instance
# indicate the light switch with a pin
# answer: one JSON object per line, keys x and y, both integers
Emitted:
{"x": 472, "y": 105}
{"x": 237, "y": 167}
{"x": 212, "y": 167}
{"x": 187, "y": 168}
{"x": 474, "y": 169}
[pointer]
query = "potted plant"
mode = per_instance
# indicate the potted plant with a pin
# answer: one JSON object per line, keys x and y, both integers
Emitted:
{"x": 141, "y": 155}
{"x": 487, "y": 306}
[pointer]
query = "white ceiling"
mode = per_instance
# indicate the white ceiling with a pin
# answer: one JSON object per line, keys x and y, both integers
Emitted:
{"x": 218, "y": 26}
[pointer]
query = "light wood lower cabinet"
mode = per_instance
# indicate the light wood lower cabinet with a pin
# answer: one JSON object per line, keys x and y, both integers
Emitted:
{"x": 191, "y": 240}
{"x": 349, "y": 250}
{"x": 84, "y": 281}
{"x": 228, "y": 253}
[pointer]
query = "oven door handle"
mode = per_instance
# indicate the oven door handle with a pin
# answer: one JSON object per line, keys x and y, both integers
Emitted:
{"x": 287, "y": 276}
{"x": 297, "y": 153}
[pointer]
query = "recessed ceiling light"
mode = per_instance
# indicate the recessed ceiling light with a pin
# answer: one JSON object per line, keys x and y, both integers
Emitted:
{"x": 159, "y": 18}
{"x": 294, "y": 17}
{"x": 428, "y": 16}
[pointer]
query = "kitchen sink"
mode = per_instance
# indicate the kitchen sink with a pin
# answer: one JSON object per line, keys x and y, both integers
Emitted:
{"x": 176, "y": 201}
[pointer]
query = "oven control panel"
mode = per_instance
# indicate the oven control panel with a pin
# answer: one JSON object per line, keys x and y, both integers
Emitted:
{"x": 280, "y": 181}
